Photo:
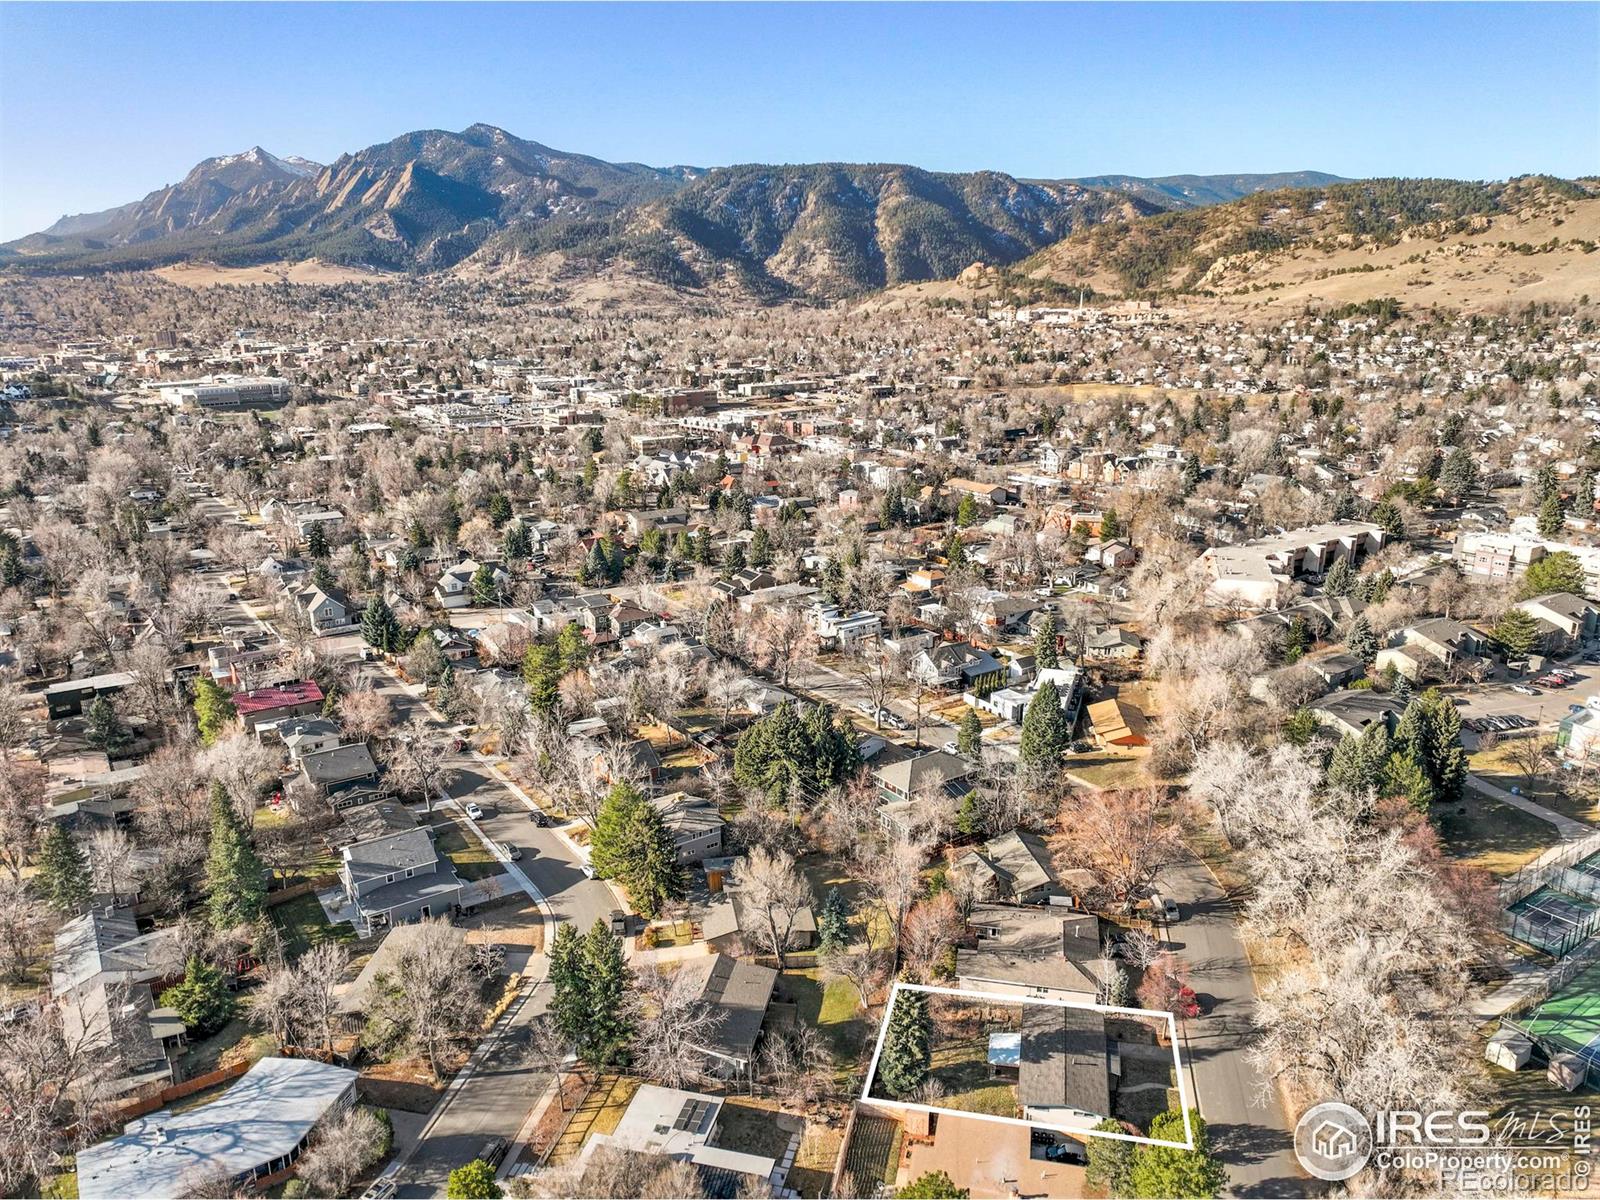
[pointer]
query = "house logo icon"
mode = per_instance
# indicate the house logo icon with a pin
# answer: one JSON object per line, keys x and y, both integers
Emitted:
{"x": 1332, "y": 1141}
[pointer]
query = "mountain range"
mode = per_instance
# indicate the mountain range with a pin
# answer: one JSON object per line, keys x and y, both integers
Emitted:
{"x": 433, "y": 200}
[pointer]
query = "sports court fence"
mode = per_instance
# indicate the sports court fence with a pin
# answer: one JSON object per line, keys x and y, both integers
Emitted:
{"x": 1547, "y": 867}
{"x": 1565, "y": 1024}
{"x": 1552, "y": 920}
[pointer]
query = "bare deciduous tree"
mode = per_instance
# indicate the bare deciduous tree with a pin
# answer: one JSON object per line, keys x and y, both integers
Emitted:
{"x": 342, "y": 1146}
{"x": 676, "y": 1024}
{"x": 772, "y": 886}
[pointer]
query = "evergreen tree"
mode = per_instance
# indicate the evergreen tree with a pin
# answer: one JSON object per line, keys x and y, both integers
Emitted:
{"x": 1583, "y": 494}
{"x": 103, "y": 729}
{"x": 1044, "y": 643}
{"x": 955, "y": 551}
{"x": 969, "y": 738}
{"x": 499, "y": 509}
{"x": 1362, "y": 642}
{"x": 932, "y": 1185}
{"x": 485, "y": 590}
{"x": 1300, "y": 728}
{"x": 907, "y": 1045}
{"x": 317, "y": 542}
{"x": 322, "y": 576}
{"x": 569, "y": 1003}
{"x": 472, "y": 1181}
{"x": 1295, "y": 639}
{"x": 63, "y": 870}
{"x": 1558, "y": 572}
{"x": 571, "y": 647}
{"x": 416, "y": 535}
{"x": 541, "y": 671}
{"x": 202, "y": 1000}
{"x": 969, "y": 815}
{"x": 608, "y": 1026}
{"x": 1388, "y": 518}
{"x": 632, "y": 845}
{"x": 1459, "y": 475}
{"x": 1359, "y": 760}
{"x": 1551, "y": 519}
{"x": 1191, "y": 476}
{"x": 1340, "y": 579}
{"x": 1160, "y": 1171}
{"x": 1044, "y": 729}
{"x": 379, "y": 629}
{"x": 1344, "y": 506}
{"x": 517, "y": 545}
{"x": 966, "y": 511}
{"x": 1109, "y": 1159}
{"x": 761, "y": 548}
{"x": 833, "y": 923}
{"x": 234, "y": 875}
{"x": 1517, "y": 633}
{"x": 1110, "y": 525}
{"x": 213, "y": 711}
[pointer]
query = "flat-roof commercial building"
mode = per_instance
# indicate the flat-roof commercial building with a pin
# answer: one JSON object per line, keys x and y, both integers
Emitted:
{"x": 257, "y": 1128}
{"x": 226, "y": 391}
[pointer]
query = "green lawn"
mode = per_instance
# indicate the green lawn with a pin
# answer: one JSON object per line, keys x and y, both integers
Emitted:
{"x": 832, "y": 1009}
{"x": 1551, "y": 787}
{"x": 471, "y": 857}
{"x": 1486, "y": 833}
{"x": 963, "y": 1069}
{"x": 304, "y": 925}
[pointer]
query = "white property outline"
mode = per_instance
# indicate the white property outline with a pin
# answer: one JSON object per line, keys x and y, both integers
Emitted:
{"x": 962, "y": 994}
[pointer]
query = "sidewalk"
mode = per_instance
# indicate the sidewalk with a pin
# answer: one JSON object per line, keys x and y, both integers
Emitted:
{"x": 1570, "y": 829}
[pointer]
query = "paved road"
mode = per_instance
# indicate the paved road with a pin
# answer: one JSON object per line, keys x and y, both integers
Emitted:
{"x": 1240, "y": 1103}
{"x": 490, "y": 1099}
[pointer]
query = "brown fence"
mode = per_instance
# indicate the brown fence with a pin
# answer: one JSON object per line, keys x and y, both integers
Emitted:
{"x": 296, "y": 890}
{"x": 177, "y": 1091}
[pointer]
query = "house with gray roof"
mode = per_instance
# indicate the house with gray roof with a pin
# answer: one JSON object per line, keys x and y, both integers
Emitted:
{"x": 738, "y": 991}
{"x": 1066, "y": 1066}
{"x": 1563, "y": 617}
{"x": 398, "y": 878}
{"x": 339, "y": 769}
{"x": 1014, "y": 866}
{"x": 1354, "y": 710}
{"x": 1036, "y": 951}
{"x": 256, "y": 1129}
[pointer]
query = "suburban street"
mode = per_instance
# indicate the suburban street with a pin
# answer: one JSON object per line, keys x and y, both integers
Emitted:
{"x": 492, "y": 1096}
{"x": 1240, "y": 1103}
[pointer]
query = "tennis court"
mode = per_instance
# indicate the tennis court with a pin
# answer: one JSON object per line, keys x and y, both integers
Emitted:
{"x": 1570, "y": 1019}
{"x": 1552, "y": 920}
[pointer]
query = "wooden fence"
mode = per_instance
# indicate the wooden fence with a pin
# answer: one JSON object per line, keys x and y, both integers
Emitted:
{"x": 296, "y": 890}
{"x": 177, "y": 1091}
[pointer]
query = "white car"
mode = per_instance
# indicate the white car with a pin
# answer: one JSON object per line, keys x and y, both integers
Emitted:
{"x": 1524, "y": 689}
{"x": 474, "y": 812}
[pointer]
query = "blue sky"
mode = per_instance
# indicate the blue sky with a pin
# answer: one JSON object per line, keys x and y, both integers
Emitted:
{"x": 101, "y": 104}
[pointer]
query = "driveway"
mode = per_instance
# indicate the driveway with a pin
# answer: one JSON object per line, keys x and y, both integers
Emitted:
{"x": 1240, "y": 1104}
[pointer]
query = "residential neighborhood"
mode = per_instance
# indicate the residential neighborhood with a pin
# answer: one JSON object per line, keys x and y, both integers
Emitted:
{"x": 458, "y": 744}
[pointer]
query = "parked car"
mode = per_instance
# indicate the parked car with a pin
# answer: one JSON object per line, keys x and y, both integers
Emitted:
{"x": 380, "y": 1189}
{"x": 494, "y": 1150}
{"x": 539, "y": 819}
{"x": 514, "y": 853}
{"x": 950, "y": 748}
{"x": 474, "y": 812}
{"x": 1169, "y": 909}
{"x": 1524, "y": 689}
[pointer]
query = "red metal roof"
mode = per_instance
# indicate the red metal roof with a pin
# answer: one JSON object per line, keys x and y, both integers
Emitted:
{"x": 302, "y": 692}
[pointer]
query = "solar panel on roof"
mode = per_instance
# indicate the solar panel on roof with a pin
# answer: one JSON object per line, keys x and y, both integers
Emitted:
{"x": 692, "y": 1115}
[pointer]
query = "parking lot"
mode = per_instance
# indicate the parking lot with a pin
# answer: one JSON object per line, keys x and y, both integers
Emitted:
{"x": 1545, "y": 709}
